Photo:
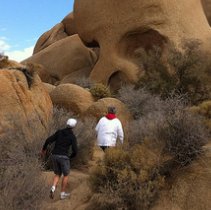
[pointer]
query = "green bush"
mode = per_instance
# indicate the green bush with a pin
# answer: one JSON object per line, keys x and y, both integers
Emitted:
{"x": 100, "y": 91}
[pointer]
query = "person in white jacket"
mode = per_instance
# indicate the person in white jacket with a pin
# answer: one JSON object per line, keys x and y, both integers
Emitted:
{"x": 108, "y": 129}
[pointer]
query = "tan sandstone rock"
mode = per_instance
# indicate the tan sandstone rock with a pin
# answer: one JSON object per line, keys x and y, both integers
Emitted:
{"x": 120, "y": 28}
{"x": 69, "y": 24}
{"x": 58, "y": 32}
{"x": 5, "y": 62}
{"x": 99, "y": 109}
{"x": 189, "y": 189}
{"x": 49, "y": 87}
{"x": 71, "y": 97}
{"x": 50, "y": 37}
{"x": 23, "y": 101}
{"x": 207, "y": 9}
{"x": 64, "y": 57}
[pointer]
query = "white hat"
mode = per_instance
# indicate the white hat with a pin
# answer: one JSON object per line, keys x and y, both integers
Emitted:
{"x": 72, "y": 122}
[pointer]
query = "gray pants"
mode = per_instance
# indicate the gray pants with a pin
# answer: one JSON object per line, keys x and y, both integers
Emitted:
{"x": 61, "y": 165}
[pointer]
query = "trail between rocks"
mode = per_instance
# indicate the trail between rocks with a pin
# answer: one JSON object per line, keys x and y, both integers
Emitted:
{"x": 80, "y": 193}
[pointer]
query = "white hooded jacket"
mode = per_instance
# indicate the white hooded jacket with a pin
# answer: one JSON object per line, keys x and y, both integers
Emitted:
{"x": 108, "y": 131}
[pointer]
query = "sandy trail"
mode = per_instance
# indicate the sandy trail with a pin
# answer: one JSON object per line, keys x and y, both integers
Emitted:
{"x": 78, "y": 187}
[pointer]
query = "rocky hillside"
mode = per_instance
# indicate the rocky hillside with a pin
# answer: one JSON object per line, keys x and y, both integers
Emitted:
{"x": 149, "y": 59}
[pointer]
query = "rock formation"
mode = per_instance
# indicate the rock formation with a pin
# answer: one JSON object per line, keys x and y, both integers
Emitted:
{"x": 64, "y": 57}
{"x": 61, "y": 30}
{"x": 120, "y": 28}
{"x": 24, "y": 100}
{"x": 207, "y": 9}
{"x": 99, "y": 109}
{"x": 71, "y": 97}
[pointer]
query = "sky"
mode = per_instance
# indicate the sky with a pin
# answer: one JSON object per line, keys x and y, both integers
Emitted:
{"x": 22, "y": 22}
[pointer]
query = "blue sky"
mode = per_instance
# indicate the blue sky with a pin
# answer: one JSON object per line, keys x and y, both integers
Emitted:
{"x": 22, "y": 22}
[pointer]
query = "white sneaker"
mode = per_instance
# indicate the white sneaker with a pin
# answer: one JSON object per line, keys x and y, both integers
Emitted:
{"x": 64, "y": 195}
{"x": 52, "y": 192}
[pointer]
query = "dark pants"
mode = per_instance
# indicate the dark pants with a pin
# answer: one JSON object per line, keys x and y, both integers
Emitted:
{"x": 104, "y": 148}
{"x": 61, "y": 165}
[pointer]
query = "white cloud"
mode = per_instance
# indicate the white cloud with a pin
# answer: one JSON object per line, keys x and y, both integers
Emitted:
{"x": 20, "y": 55}
{"x": 3, "y": 44}
{"x": 17, "y": 55}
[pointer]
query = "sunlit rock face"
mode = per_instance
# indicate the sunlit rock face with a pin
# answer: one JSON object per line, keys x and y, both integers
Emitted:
{"x": 61, "y": 30}
{"x": 65, "y": 57}
{"x": 120, "y": 28}
{"x": 207, "y": 9}
{"x": 24, "y": 101}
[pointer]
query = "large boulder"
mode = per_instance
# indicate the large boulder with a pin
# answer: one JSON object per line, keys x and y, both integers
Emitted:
{"x": 99, "y": 109}
{"x": 49, "y": 87}
{"x": 64, "y": 57}
{"x": 69, "y": 24}
{"x": 61, "y": 30}
{"x": 50, "y": 37}
{"x": 71, "y": 97}
{"x": 207, "y": 9}
{"x": 121, "y": 28}
{"x": 41, "y": 71}
{"x": 24, "y": 101}
{"x": 189, "y": 188}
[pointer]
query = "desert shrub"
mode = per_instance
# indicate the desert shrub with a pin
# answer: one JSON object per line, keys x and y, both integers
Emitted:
{"x": 125, "y": 181}
{"x": 184, "y": 136}
{"x": 109, "y": 200}
{"x": 85, "y": 133}
{"x": 166, "y": 123}
{"x": 157, "y": 78}
{"x": 163, "y": 137}
{"x": 58, "y": 120}
{"x": 22, "y": 185}
{"x": 139, "y": 101}
{"x": 100, "y": 91}
{"x": 182, "y": 71}
{"x": 172, "y": 129}
{"x": 204, "y": 109}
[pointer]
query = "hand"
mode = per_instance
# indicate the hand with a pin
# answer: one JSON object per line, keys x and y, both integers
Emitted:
{"x": 43, "y": 153}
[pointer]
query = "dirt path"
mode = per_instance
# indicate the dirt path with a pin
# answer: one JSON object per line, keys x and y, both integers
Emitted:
{"x": 81, "y": 194}
{"x": 78, "y": 188}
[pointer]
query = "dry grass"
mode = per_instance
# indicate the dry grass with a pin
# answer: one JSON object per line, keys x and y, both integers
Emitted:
{"x": 22, "y": 185}
{"x": 85, "y": 133}
{"x": 163, "y": 139}
{"x": 126, "y": 179}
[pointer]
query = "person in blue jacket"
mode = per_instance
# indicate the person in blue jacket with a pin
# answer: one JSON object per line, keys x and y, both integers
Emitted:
{"x": 64, "y": 139}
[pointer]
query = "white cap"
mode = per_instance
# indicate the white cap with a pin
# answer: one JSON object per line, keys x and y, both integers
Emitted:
{"x": 72, "y": 122}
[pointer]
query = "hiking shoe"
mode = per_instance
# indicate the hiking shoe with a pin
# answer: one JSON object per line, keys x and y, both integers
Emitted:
{"x": 51, "y": 194}
{"x": 64, "y": 195}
